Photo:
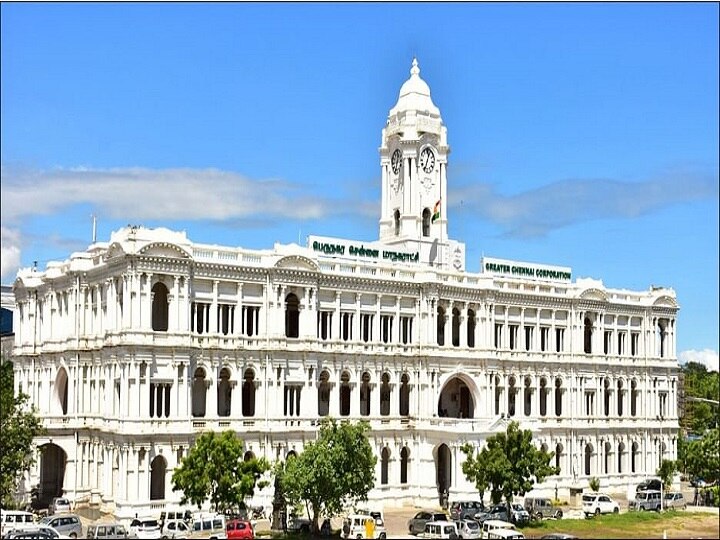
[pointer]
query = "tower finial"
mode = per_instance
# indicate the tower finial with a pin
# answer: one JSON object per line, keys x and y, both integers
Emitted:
{"x": 415, "y": 70}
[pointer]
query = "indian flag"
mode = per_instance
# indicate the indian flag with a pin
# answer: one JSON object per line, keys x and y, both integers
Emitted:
{"x": 436, "y": 212}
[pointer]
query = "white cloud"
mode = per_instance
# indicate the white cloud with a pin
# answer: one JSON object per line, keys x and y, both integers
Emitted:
{"x": 9, "y": 252}
{"x": 706, "y": 357}
{"x": 165, "y": 194}
{"x": 563, "y": 203}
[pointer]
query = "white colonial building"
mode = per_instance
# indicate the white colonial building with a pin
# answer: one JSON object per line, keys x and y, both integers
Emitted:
{"x": 135, "y": 346}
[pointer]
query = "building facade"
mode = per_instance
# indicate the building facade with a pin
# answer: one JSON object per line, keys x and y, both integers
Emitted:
{"x": 133, "y": 347}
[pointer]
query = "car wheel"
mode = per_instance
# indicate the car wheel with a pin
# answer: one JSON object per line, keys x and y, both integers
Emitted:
{"x": 382, "y": 536}
{"x": 684, "y": 506}
{"x": 538, "y": 515}
{"x": 73, "y": 535}
{"x": 597, "y": 511}
{"x": 559, "y": 514}
{"x": 616, "y": 510}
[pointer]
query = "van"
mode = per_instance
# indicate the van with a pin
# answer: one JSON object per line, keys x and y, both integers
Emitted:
{"x": 67, "y": 524}
{"x": 107, "y": 531}
{"x": 541, "y": 508}
{"x": 211, "y": 526}
{"x": 646, "y": 500}
{"x": 491, "y": 525}
{"x": 440, "y": 529}
{"x": 14, "y": 520}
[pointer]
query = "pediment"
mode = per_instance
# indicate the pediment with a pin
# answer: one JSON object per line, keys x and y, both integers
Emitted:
{"x": 297, "y": 262}
{"x": 115, "y": 250}
{"x": 665, "y": 301}
{"x": 594, "y": 294}
{"x": 166, "y": 250}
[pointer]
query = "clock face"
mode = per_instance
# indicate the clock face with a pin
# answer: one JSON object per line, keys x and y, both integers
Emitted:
{"x": 396, "y": 161}
{"x": 427, "y": 160}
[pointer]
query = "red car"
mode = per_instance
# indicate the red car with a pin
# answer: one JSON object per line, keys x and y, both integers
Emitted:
{"x": 239, "y": 528}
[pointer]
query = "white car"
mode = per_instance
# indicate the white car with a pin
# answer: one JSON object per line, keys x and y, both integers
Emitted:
{"x": 363, "y": 526}
{"x": 176, "y": 528}
{"x": 145, "y": 529}
{"x": 594, "y": 504}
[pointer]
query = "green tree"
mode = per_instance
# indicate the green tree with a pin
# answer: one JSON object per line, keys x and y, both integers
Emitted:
{"x": 508, "y": 465}
{"x": 19, "y": 425}
{"x": 214, "y": 469}
{"x": 595, "y": 483}
{"x": 698, "y": 382}
{"x": 703, "y": 457}
{"x": 665, "y": 472}
{"x": 333, "y": 472}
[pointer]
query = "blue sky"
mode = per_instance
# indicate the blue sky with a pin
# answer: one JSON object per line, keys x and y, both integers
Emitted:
{"x": 582, "y": 135}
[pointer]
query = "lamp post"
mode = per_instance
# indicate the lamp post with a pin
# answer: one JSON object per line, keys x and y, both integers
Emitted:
{"x": 660, "y": 418}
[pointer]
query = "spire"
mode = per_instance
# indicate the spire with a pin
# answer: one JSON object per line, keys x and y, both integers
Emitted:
{"x": 414, "y": 70}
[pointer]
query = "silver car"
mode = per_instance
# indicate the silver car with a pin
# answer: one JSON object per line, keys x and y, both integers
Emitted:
{"x": 66, "y": 524}
{"x": 674, "y": 500}
{"x": 467, "y": 528}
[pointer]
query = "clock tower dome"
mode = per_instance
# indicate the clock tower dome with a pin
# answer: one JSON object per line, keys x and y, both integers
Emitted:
{"x": 413, "y": 163}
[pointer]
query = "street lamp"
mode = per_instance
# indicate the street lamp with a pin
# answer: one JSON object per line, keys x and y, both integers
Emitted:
{"x": 660, "y": 418}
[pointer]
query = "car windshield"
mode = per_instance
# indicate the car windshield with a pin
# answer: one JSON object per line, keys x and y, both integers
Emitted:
{"x": 641, "y": 496}
{"x": 148, "y": 523}
{"x": 439, "y": 517}
{"x": 588, "y": 498}
{"x": 472, "y": 525}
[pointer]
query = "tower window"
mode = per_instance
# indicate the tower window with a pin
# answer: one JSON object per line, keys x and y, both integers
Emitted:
{"x": 426, "y": 222}
{"x": 397, "y": 222}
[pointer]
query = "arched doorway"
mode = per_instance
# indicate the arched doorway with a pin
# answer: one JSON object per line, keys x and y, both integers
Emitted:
{"x": 198, "y": 393}
{"x": 248, "y": 393}
{"x": 224, "y": 393}
{"x": 292, "y": 316}
{"x": 158, "y": 466}
{"x": 52, "y": 472}
{"x": 443, "y": 473}
{"x": 456, "y": 400}
{"x": 324, "y": 394}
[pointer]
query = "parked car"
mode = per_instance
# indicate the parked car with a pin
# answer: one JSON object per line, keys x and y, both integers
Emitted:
{"x": 646, "y": 500}
{"x": 67, "y": 524}
{"x": 175, "y": 528}
{"x": 506, "y": 534}
{"x": 107, "y": 531}
{"x": 440, "y": 529}
{"x": 363, "y": 526}
{"x": 653, "y": 484}
{"x": 499, "y": 512}
{"x": 465, "y": 509}
{"x": 594, "y": 504}
{"x": 558, "y": 536}
{"x": 672, "y": 500}
{"x": 239, "y": 528}
{"x": 40, "y": 532}
{"x": 491, "y": 525}
{"x": 541, "y": 508}
{"x": 467, "y": 528}
{"x": 416, "y": 524}
{"x": 59, "y": 505}
{"x": 145, "y": 529}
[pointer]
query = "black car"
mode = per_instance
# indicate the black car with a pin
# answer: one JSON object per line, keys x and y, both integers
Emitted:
{"x": 652, "y": 484}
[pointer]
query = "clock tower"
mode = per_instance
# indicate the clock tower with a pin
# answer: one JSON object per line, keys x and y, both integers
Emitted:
{"x": 413, "y": 163}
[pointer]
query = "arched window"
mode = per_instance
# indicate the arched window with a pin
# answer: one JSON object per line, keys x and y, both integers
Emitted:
{"x": 404, "y": 395}
{"x": 198, "y": 393}
{"x": 292, "y": 316}
{"x": 426, "y": 222}
{"x": 558, "y": 454}
{"x": 528, "y": 392}
{"x": 157, "y": 478}
{"x": 633, "y": 397}
{"x": 365, "y": 395}
{"x": 511, "y": 397}
{"x": 224, "y": 393}
{"x": 588, "y": 335}
{"x": 588, "y": 459}
{"x": 384, "y": 464}
{"x": 456, "y": 327}
{"x": 471, "y": 323}
{"x": 620, "y": 397}
{"x": 248, "y": 456}
{"x": 633, "y": 457}
{"x": 558, "y": 396}
{"x": 248, "y": 393}
{"x": 608, "y": 457}
{"x": 159, "y": 307}
{"x": 543, "y": 396}
{"x": 404, "y": 459}
{"x": 606, "y": 396}
{"x": 385, "y": 394}
{"x": 396, "y": 217}
{"x": 61, "y": 390}
{"x": 441, "y": 326}
{"x": 345, "y": 394}
{"x": 324, "y": 394}
{"x": 621, "y": 452}
{"x": 661, "y": 334}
